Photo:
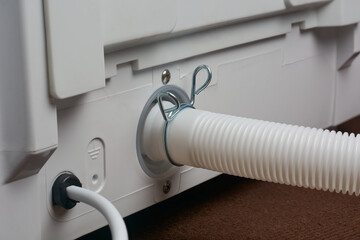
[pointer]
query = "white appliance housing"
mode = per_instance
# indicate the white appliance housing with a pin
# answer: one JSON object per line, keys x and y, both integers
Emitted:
{"x": 75, "y": 75}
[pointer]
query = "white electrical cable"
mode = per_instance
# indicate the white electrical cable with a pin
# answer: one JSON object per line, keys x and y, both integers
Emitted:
{"x": 116, "y": 222}
{"x": 262, "y": 150}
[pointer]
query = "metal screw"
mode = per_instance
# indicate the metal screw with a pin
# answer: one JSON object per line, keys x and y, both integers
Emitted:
{"x": 165, "y": 76}
{"x": 167, "y": 186}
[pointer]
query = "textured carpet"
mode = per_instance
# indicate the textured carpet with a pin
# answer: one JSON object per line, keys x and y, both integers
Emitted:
{"x": 235, "y": 208}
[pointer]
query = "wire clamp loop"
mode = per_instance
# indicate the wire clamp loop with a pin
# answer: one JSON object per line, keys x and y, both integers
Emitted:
{"x": 171, "y": 112}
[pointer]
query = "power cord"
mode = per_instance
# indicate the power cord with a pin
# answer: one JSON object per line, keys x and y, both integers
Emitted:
{"x": 67, "y": 191}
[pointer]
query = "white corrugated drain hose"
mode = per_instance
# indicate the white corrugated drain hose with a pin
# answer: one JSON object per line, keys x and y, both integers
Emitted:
{"x": 268, "y": 151}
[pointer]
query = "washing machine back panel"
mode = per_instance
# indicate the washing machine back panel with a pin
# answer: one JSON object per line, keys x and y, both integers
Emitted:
{"x": 266, "y": 80}
{"x": 77, "y": 32}
{"x": 286, "y": 61}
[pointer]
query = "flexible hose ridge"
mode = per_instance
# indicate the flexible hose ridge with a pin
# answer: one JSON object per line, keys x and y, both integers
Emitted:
{"x": 268, "y": 151}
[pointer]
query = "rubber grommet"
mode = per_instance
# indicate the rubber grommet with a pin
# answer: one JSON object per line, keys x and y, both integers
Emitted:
{"x": 157, "y": 170}
{"x": 59, "y": 195}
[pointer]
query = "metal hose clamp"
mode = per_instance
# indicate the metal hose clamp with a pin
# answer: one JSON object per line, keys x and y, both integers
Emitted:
{"x": 170, "y": 113}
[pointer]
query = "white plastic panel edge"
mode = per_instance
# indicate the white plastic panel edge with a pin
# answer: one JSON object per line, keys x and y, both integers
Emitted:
{"x": 75, "y": 48}
{"x": 339, "y": 13}
{"x": 128, "y": 20}
{"x": 298, "y": 3}
{"x": 28, "y": 123}
{"x": 195, "y": 14}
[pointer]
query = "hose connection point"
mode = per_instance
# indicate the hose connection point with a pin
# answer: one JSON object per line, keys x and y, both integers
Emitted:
{"x": 59, "y": 195}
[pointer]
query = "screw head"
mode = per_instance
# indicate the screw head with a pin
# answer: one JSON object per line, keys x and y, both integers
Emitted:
{"x": 167, "y": 186}
{"x": 165, "y": 76}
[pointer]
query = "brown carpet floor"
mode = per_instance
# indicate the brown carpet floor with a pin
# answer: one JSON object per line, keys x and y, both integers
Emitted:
{"x": 229, "y": 207}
